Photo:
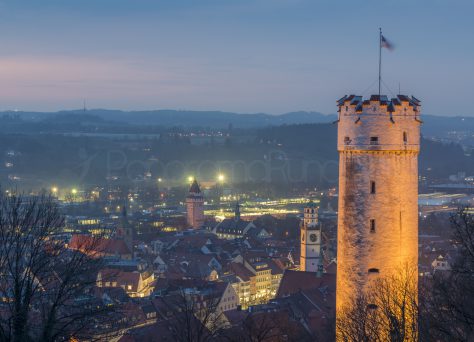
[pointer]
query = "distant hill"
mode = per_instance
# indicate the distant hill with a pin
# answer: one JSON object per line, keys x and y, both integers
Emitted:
{"x": 457, "y": 129}
{"x": 303, "y": 154}
{"x": 183, "y": 118}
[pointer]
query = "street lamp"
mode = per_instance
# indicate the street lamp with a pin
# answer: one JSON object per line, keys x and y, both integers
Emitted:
{"x": 220, "y": 185}
{"x": 220, "y": 177}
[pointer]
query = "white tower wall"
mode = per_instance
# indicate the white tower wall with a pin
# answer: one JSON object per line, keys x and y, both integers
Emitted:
{"x": 378, "y": 144}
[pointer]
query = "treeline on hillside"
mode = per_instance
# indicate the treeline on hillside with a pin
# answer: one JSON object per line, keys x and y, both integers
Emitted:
{"x": 284, "y": 154}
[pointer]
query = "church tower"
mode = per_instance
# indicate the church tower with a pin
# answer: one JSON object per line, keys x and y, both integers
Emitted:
{"x": 378, "y": 143}
{"x": 195, "y": 206}
{"x": 310, "y": 254}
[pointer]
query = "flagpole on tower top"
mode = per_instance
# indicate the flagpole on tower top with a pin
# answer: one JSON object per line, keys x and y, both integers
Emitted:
{"x": 380, "y": 57}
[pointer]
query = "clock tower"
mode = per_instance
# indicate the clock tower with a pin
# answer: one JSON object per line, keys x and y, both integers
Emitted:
{"x": 310, "y": 256}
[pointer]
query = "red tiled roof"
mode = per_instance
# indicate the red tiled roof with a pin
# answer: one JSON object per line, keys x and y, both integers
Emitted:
{"x": 296, "y": 281}
{"x": 123, "y": 278}
{"x": 241, "y": 271}
{"x": 158, "y": 331}
{"x": 276, "y": 269}
{"x": 97, "y": 246}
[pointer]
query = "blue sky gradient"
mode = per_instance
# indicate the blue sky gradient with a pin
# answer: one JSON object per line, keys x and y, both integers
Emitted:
{"x": 269, "y": 56}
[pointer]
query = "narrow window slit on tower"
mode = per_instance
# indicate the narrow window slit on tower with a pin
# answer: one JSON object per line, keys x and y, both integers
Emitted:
{"x": 372, "y": 187}
{"x": 405, "y": 137}
{"x": 372, "y": 306}
{"x": 374, "y": 270}
{"x": 372, "y": 226}
{"x": 374, "y": 140}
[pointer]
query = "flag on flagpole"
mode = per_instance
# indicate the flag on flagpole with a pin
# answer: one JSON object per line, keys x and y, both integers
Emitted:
{"x": 386, "y": 44}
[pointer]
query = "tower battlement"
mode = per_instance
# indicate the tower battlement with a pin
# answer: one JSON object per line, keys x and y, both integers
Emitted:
{"x": 401, "y": 105}
{"x": 379, "y": 123}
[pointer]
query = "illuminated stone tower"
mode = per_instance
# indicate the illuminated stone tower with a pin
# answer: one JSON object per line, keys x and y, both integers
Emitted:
{"x": 125, "y": 230}
{"x": 310, "y": 255}
{"x": 195, "y": 206}
{"x": 378, "y": 143}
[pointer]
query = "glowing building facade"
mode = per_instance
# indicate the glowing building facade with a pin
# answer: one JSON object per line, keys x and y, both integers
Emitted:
{"x": 378, "y": 144}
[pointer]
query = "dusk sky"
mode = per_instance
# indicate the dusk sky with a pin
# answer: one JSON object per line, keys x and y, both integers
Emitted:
{"x": 247, "y": 56}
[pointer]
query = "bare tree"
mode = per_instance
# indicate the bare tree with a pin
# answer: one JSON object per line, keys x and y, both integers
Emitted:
{"x": 194, "y": 317}
{"x": 358, "y": 322}
{"x": 257, "y": 327}
{"x": 387, "y": 312}
{"x": 443, "y": 311}
{"x": 46, "y": 288}
{"x": 267, "y": 326}
{"x": 448, "y": 298}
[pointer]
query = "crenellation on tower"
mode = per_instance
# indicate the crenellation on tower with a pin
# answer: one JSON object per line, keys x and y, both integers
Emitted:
{"x": 401, "y": 105}
{"x": 378, "y": 124}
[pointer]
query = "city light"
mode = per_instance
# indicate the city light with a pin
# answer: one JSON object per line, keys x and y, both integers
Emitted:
{"x": 74, "y": 191}
{"x": 160, "y": 180}
{"x": 190, "y": 179}
{"x": 220, "y": 177}
{"x": 54, "y": 190}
